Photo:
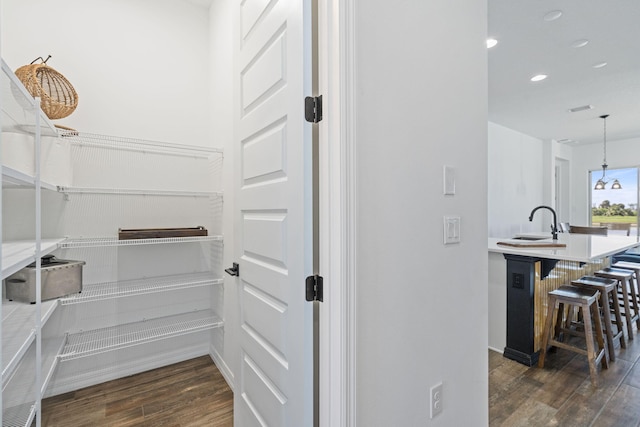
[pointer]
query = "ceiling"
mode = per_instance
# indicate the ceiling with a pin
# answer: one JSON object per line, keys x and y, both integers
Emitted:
{"x": 529, "y": 45}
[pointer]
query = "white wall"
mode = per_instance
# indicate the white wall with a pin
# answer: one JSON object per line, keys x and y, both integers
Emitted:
{"x": 421, "y": 305}
{"x": 620, "y": 154}
{"x": 497, "y": 302}
{"x": 140, "y": 67}
{"x": 221, "y": 121}
{"x": 516, "y": 182}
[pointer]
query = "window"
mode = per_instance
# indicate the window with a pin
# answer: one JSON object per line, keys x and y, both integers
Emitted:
{"x": 617, "y": 209}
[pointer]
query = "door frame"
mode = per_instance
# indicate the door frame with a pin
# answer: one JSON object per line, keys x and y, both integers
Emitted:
{"x": 337, "y": 213}
{"x": 562, "y": 195}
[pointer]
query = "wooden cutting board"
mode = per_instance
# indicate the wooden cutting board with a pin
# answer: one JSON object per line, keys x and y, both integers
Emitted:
{"x": 526, "y": 244}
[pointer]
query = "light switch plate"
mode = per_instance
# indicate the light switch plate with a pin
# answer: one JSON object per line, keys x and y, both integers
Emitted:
{"x": 449, "y": 178}
{"x": 451, "y": 230}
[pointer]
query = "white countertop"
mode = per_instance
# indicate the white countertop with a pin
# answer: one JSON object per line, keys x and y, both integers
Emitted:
{"x": 580, "y": 247}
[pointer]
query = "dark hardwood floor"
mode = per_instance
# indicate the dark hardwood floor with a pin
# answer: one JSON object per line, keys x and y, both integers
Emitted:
{"x": 194, "y": 393}
{"x": 191, "y": 393}
{"x": 561, "y": 394}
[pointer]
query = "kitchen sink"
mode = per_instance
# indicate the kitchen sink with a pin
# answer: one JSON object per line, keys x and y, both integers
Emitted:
{"x": 532, "y": 238}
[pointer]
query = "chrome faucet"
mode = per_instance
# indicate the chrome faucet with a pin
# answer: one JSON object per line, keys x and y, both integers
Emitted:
{"x": 554, "y": 226}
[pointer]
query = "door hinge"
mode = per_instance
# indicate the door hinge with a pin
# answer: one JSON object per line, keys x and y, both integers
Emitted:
{"x": 313, "y": 109}
{"x": 314, "y": 288}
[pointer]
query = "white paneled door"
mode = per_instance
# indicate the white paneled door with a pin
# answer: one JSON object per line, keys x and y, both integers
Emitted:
{"x": 274, "y": 379}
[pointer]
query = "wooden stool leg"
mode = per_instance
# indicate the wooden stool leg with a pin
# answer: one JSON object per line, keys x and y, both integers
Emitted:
{"x": 591, "y": 353}
{"x": 635, "y": 288}
{"x": 548, "y": 326}
{"x": 616, "y": 311}
{"x": 599, "y": 337}
{"x": 627, "y": 309}
{"x": 606, "y": 313}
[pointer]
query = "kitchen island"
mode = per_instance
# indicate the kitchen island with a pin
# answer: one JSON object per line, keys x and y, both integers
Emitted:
{"x": 523, "y": 271}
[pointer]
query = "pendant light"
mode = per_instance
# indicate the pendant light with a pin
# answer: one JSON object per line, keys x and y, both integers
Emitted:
{"x": 600, "y": 184}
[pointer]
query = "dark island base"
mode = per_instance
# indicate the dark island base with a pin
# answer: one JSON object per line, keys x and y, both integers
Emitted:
{"x": 521, "y": 294}
{"x": 524, "y": 358}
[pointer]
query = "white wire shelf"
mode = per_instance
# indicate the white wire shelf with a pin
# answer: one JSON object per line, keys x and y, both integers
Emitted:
{"x": 23, "y": 383}
{"x": 103, "y": 340}
{"x": 51, "y": 348}
{"x": 137, "y": 192}
{"x": 19, "y": 416}
{"x": 110, "y": 290}
{"x": 139, "y": 145}
{"x": 18, "y": 106}
{"x": 13, "y": 178}
{"x": 96, "y": 242}
{"x": 20, "y": 253}
{"x": 18, "y": 332}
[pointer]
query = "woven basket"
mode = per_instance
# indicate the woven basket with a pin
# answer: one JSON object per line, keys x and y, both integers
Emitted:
{"x": 58, "y": 98}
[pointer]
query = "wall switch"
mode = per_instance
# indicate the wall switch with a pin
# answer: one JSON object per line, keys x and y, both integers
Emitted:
{"x": 449, "y": 178}
{"x": 451, "y": 229}
{"x": 435, "y": 400}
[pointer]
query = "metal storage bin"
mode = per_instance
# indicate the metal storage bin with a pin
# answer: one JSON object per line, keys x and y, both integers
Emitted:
{"x": 60, "y": 277}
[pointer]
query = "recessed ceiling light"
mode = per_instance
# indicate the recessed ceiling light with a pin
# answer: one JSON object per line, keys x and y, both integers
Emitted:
{"x": 580, "y": 43}
{"x": 580, "y": 108}
{"x": 491, "y": 43}
{"x": 539, "y": 77}
{"x": 553, "y": 15}
{"x": 566, "y": 141}
{"x": 599, "y": 65}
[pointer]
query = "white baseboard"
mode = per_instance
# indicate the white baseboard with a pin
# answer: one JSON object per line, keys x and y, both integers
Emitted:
{"x": 497, "y": 350}
{"x": 222, "y": 367}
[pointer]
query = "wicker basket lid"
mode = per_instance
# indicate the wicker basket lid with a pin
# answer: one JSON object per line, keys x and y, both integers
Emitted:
{"x": 58, "y": 98}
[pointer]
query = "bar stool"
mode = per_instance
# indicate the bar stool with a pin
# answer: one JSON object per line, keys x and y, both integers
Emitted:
{"x": 635, "y": 290}
{"x": 608, "y": 301}
{"x": 625, "y": 278}
{"x": 586, "y": 300}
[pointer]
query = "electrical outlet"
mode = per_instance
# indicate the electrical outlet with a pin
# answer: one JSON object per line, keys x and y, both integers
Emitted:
{"x": 435, "y": 406}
